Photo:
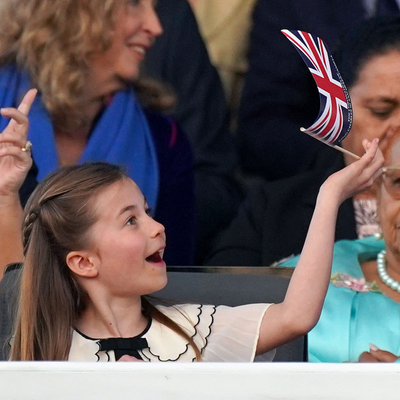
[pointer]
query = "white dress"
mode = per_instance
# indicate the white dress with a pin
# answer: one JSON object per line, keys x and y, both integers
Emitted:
{"x": 221, "y": 333}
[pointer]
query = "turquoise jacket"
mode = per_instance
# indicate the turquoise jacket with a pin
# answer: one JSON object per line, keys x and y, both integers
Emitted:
{"x": 351, "y": 319}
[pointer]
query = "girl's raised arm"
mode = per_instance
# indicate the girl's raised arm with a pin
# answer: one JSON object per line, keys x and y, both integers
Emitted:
{"x": 301, "y": 308}
{"x": 15, "y": 162}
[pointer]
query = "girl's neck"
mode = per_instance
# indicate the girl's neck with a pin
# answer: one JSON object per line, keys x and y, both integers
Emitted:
{"x": 112, "y": 318}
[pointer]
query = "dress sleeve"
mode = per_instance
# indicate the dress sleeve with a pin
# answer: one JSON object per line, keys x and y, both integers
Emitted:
{"x": 222, "y": 334}
{"x": 234, "y": 334}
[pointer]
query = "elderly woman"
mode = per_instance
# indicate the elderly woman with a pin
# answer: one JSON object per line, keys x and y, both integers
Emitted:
{"x": 87, "y": 107}
{"x": 361, "y": 309}
{"x": 272, "y": 222}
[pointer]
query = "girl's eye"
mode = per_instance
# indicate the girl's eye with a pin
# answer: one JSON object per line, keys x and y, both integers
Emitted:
{"x": 149, "y": 212}
{"x": 131, "y": 221}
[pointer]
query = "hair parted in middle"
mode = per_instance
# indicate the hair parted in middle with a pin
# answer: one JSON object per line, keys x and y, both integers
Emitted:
{"x": 57, "y": 219}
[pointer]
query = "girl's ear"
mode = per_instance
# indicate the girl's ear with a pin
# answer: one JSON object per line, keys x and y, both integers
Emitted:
{"x": 82, "y": 263}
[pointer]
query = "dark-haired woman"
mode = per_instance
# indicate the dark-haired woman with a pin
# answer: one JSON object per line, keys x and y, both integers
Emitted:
{"x": 272, "y": 222}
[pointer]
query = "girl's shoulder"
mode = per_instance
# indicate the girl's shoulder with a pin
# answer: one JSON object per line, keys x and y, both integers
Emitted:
{"x": 222, "y": 333}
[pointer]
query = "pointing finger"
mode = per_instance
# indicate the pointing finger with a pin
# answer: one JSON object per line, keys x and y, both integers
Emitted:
{"x": 27, "y": 101}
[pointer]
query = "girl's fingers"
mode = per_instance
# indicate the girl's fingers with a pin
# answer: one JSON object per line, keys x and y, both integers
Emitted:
{"x": 366, "y": 144}
{"x": 373, "y": 157}
{"x": 370, "y": 147}
{"x": 377, "y": 174}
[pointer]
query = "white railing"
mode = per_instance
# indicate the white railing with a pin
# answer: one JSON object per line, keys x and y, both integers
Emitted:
{"x": 201, "y": 381}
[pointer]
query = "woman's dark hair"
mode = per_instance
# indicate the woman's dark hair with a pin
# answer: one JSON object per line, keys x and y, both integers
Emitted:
{"x": 371, "y": 38}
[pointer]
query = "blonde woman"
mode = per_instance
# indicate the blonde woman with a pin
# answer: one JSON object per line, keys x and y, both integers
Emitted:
{"x": 87, "y": 106}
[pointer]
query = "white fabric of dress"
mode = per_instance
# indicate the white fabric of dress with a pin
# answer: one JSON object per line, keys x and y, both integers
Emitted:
{"x": 223, "y": 334}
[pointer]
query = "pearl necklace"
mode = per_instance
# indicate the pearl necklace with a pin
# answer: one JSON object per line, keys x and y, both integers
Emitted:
{"x": 383, "y": 274}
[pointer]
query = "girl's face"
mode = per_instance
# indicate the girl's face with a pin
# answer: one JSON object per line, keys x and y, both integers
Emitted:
{"x": 137, "y": 27}
{"x": 128, "y": 243}
{"x": 376, "y": 102}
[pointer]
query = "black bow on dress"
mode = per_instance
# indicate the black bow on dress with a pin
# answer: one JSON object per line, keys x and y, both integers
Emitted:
{"x": 122, "y": 346}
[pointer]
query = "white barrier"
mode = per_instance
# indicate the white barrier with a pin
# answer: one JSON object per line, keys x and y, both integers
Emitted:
{"x": 208, "y": 381}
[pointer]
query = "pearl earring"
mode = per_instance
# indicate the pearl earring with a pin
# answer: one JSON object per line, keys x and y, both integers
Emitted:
{"x": 378, "y": 236}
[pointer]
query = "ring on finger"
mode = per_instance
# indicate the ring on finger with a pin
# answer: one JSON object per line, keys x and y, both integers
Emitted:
{"x": 28, "y": 146}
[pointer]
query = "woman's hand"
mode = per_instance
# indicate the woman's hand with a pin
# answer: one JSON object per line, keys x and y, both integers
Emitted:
{"x": 377, "y": 355}
{"x": 14, "y": 166}
{"x": 357, "y": 176}
{"x": 14, "y": 162}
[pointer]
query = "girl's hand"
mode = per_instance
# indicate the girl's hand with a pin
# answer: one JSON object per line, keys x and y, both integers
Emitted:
{"x": 357, "y": 176}
{"x": 14, "y": 161}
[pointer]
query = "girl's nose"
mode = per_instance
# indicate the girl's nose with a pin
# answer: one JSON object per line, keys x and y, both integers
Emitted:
{"x": 157, "y": 228}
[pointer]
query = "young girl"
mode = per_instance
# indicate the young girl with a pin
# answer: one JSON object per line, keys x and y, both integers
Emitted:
{"x": 92, "y": 252}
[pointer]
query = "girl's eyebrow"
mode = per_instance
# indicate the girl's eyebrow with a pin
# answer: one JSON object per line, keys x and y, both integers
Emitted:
{"x": 132, "y": 207}
{"x": 128, "y": 208}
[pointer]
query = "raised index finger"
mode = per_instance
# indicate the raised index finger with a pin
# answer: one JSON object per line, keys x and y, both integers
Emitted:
{"x": 27, "y": 101}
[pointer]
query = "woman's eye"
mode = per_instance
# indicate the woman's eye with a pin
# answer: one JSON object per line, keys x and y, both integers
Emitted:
{"x": 149, "y": 212}
{"x": 381, "y": 113}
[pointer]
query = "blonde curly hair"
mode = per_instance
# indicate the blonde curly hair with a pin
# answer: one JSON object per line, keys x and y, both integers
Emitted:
{"x": 52, "y": 40}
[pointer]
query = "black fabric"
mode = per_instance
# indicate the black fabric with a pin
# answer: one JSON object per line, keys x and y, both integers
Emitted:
{"x": 179, "y": 58}
{"x": 279, "y": 94}
{"x": 273, "y": 221}
{"x": 29, "y": 185}
{"x": 176, "y": 197}
{"x": 124, "y": 346}
{"x": 387, "y": 7}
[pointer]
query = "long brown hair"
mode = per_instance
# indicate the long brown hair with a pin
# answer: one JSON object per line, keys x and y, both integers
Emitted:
{"x": 57, "y": 218}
